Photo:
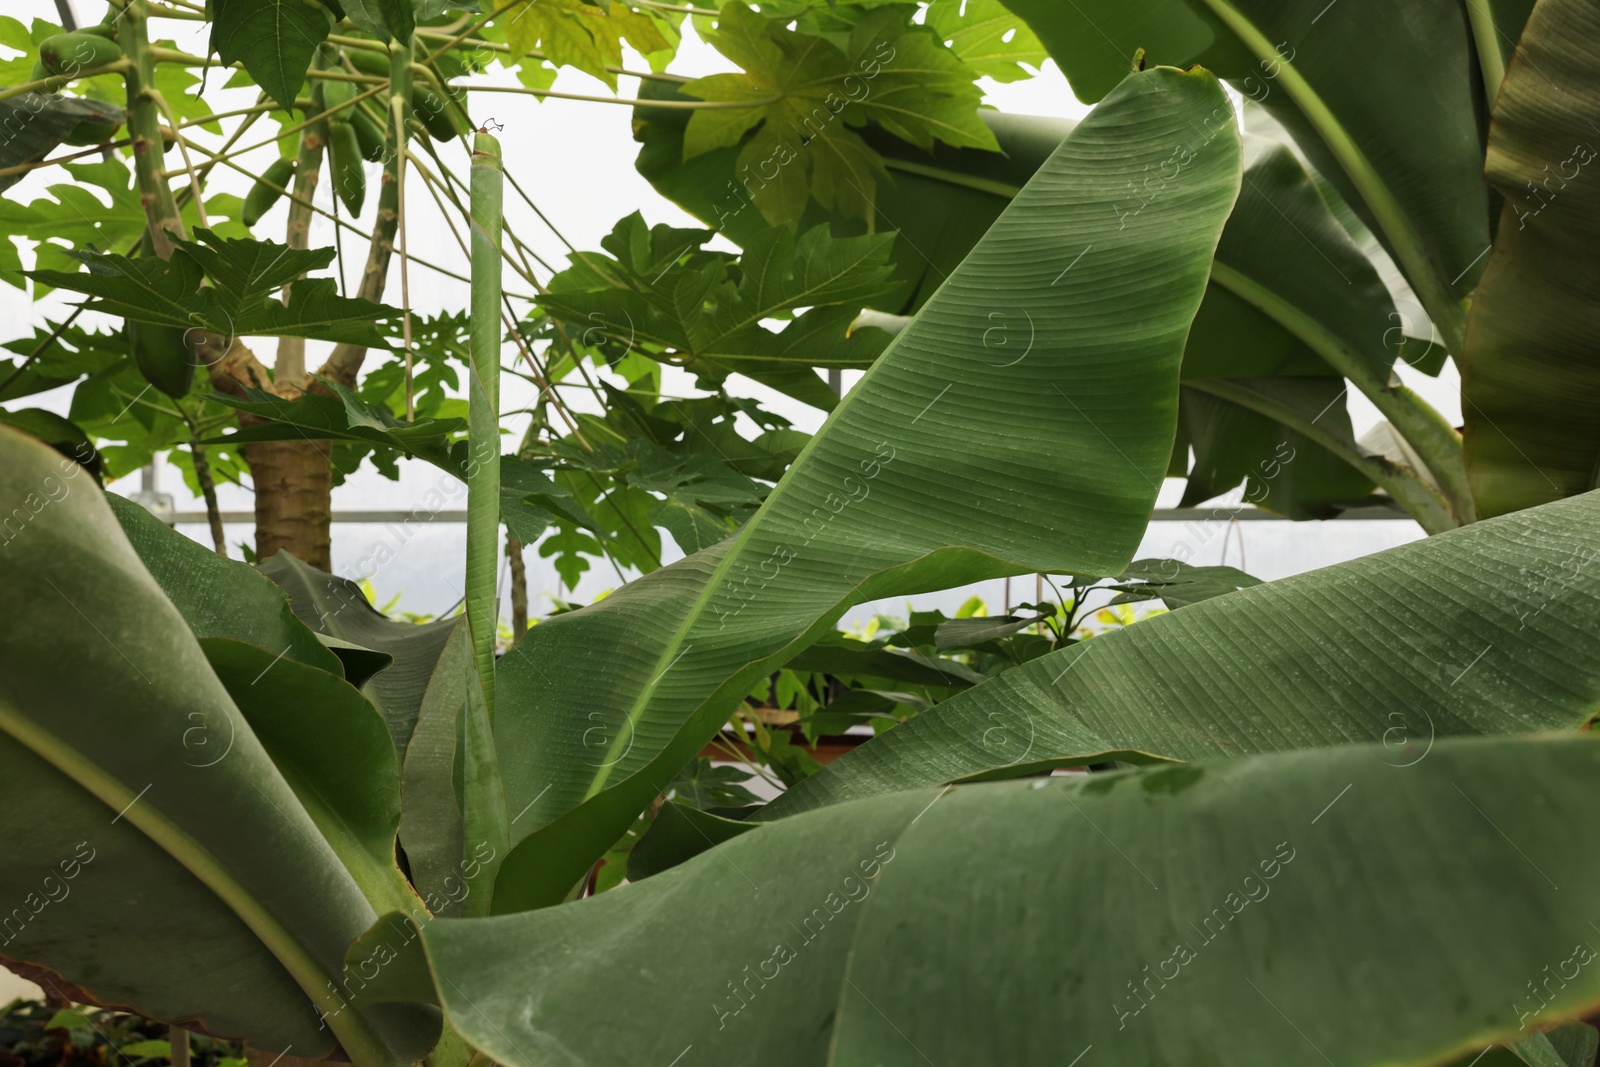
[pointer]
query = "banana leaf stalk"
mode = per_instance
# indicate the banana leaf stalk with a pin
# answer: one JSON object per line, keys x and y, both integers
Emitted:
{"x": 483, "y": 464}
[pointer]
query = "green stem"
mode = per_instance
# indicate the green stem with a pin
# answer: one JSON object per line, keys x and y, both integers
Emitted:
{"x": 1425, "y": 278}
{"x": 290, "y": 367}
{"x": 666, "y": 105}
{"x": 1420, "y": 500}
{"x": 483, "y": 470}
{"x": 1434, "y": 439}
{"x": 144, "y": 127}
{"x": 56, "y": 81}
{"x": 944, "y": 174}
{"x": 1485, "y": 36}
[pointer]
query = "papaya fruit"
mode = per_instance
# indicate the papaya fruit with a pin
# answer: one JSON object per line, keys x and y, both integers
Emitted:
{"x": 335, "y": 94}
{"x": 69, "y": 53}
{"x": 163, "y": 356}
{"x": 369, "y": 134}
{"x": 92, "y": 131}
{"x": 344, "y": 159}
{"x": 368, "y": 62}
{"x": 262, "y": 195}
{"x": 433, "y": 112}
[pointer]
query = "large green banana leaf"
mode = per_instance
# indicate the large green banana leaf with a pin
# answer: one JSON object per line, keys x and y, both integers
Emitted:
{"x": 1022, "y": 422}
{"x": 1384, "y": 98}
{"x": 108, "y": 705}
{"x": 337, "y": 609}
{"x": 219, "y": 598}
{"x": 1293, "y": 296}
{"x": 1491, "y": 629}
{"x": 1530, "y": 375}
{"x": 1296, "y": 909}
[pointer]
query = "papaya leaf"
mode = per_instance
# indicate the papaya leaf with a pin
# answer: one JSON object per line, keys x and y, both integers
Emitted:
{"x": 809, "y": 95}
{"x": 274, "y": 39}
{"x": 244, "y": 274}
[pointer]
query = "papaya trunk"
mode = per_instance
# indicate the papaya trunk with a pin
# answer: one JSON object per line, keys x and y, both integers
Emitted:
{"x": 294, "y": 479}
{"x": 300, "y": 520}
{"x": 294, "y": 494}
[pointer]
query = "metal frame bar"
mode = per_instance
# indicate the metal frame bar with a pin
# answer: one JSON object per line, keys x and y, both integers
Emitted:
{"x": 1212, "y": 514}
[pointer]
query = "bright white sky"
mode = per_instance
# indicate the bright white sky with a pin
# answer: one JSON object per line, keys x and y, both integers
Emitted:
{"x": 576, "y": 161}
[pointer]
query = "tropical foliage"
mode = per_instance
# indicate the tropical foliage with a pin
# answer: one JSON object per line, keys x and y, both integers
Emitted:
{"x": 1342, "y": 817}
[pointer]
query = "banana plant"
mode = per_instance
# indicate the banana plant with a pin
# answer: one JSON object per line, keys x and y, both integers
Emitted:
{"x": 224, "y": 815}
{"x": 1431, "y": 201}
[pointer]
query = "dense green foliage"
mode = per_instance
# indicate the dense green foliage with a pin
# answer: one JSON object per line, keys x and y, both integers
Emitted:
{"x": 241, "y": 799}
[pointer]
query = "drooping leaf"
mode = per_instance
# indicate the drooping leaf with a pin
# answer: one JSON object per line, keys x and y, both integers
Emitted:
{"x": 1437, "y": 638}
{"x": 332, "y": 748}
{"x": 454, "y": 828}
{"x": 661, "y": 293}
{"x": 336, "y": 608}
{"x": 274, "y": 39}
{"x": 1530, "y": 375}
{"x": 662, "y": 661}
{"x": 383, "y": 19}
{"x": 105, "y": 695}
{"x": 245, "y": 274}
{"x": 219, "y": 598}
{"x": 1214, "y": 909}
{"x": 343, "y": 416}
{"x": 1399, "y": 81}
{"x": 35, "y": 123}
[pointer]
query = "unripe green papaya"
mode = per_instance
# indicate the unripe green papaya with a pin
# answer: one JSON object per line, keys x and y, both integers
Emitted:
{"x": 107, "y": 29}
{"x": 262, "y": 194}
{"x": 367, "y": 62}
{"x": 70, "y": 53}
{"x": 368, "y": 133}
{"x": 336, "y": 93}
{"x": 344, "y": 159}
{"x": 39, "y": 74}
{"x": 433, "y": 112}
{"x": 163, "y": 356}
{"x": 92, "y": 131}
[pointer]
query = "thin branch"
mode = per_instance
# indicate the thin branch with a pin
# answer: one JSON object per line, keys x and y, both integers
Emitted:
{"x": 208, "y": 489}
{"x": 183, "y": 149}
{"x": 474, "y": 28}
{"x": 432, "y": 179}
{"x": 398, "y": 112}
{"x": 55, "y": 335}
{"x": 56, "y": 81}
{"x": 672, "y": 105}
{"x": 24, "y": 168}
{"x": 681, "y": 9}
{"x": 285, "y": 192}
{"x": 313, "y": 120}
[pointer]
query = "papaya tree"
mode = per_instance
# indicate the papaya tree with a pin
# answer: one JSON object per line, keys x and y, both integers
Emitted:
{"x": 377, "y": 95}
